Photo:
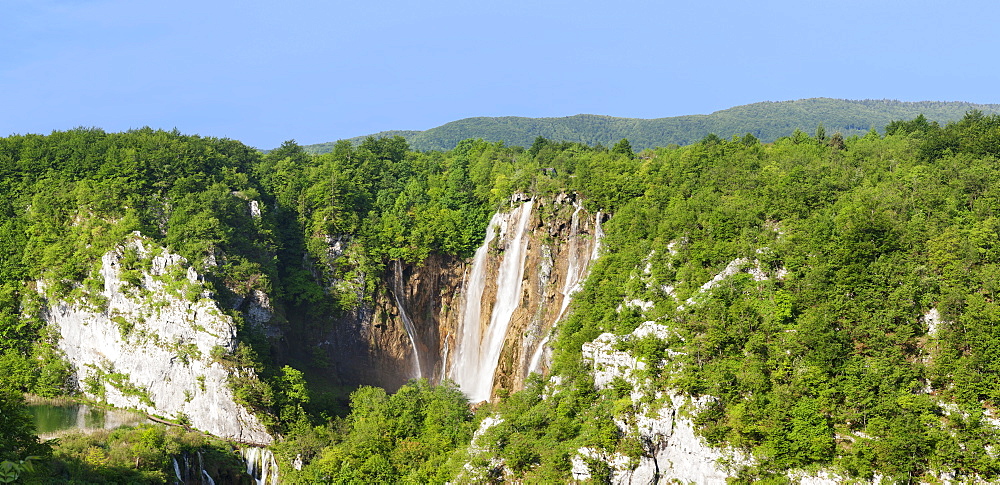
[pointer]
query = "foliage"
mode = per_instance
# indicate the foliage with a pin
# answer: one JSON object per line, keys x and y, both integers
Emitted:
{"x": 10, "y": 471}
{"x": 767, "y": 121}
{"x": 17, "y": 431}
{"x": 408, "y": 437}
{"x": 141, "y": 454}
{"x": 857, "y": 328}
{"x": 543, "y": 426}
{"x": 826, "y": 360}
{"x": 70, "y": 197}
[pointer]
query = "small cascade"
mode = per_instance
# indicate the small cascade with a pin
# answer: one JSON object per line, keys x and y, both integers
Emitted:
{"x": 411, "y": 330}
{"x": 444, "y": 363}
{"x": 536, "y": 358}
{"x": 177, "y": 470}
{"x": 260, "y": 465}
{"x": 479, "y": 353}
{"x": 186, "y": 473}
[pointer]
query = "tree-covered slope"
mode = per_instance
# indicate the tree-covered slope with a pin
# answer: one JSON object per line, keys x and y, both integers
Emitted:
{"x": 830, "y": 302}
{"x": 68, "y": 198}
{"x": 767, "y": 121}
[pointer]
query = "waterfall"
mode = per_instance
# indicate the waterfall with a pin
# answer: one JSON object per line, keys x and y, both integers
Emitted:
{"x": 572, "y": 273}
{"x": 479, "y": 354}
{"x": 466, "y": 365}
{"x": 577, "y": 263}
{"x": 598, "y": 235}
{"x": 444, "y": 363}
{"x": 261, "y": 465}
{"x": 536, "y": 358}
{"x": 187, "y": 474}
{"x": 177, "y": 470}
{"x": 411, "y": 331}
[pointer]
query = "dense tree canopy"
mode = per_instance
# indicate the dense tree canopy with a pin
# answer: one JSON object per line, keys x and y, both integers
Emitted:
{"x": 860, "y": 332}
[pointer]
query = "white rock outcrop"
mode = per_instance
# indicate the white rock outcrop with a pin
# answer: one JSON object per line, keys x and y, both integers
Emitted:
{"x": 672, "y": 451}
{"x": 155, "y": 346}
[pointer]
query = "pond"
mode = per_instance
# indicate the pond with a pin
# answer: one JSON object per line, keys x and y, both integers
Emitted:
{"x": 53, "y": 419}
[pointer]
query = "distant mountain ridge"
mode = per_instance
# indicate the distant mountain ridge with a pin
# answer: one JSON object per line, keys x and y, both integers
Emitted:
{"x": 767, "y": 121}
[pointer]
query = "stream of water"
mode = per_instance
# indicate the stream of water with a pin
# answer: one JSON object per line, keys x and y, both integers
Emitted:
{"x": 411, "y": 330}
{"x": 479, "y": 351}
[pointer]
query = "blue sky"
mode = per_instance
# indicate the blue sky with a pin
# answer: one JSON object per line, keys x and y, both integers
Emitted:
{"x": 263, "y": 71}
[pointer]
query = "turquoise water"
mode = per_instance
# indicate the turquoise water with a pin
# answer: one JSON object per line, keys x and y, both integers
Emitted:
{"x": 50, "y": 419}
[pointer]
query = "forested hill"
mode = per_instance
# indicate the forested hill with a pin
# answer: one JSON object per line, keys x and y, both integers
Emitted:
{"x": 767, "y": 121}
{"x": 849, "y": 326}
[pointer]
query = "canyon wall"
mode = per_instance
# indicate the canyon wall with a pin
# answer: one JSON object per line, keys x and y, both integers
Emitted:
{"x": 149, "y": 335}
{"x": 370, "y": 344}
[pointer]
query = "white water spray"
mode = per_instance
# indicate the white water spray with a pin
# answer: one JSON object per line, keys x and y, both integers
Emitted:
{"x": 598, "y": 236}
{"x": 479, "y": 354}
{"x": 466, "y": 366}
{"x": 411, "y": 330}
{"x": 177, "y": 470}
{"x": 444, "y": 360}
{"x": 261, "y": 465}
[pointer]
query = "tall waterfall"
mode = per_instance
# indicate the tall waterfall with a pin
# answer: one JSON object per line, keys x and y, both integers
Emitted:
{"x": 573, "y": 275}
{"x": 577, "y": 263}
{"x": 411, "y": 331}
{"x": 598, "y": 236}
{"x": 479, "y": 351}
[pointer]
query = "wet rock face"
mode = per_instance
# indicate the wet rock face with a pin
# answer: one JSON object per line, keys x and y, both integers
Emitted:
{"x": 153, "y": 339}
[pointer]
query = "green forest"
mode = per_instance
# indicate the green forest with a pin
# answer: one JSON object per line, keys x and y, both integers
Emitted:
{"x": 836, "y": 365}
{"x": 767, "y": 121}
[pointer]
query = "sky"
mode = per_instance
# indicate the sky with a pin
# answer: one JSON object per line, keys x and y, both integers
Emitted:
{"x": 263, "y": 72}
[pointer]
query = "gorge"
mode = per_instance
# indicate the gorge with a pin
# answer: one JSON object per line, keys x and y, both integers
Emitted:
{"x": 818, "y": 310}
{"x": 484, "y": 324}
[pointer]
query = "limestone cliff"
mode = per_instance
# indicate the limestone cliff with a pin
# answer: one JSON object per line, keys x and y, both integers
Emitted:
{"x": 153, "y": 339}
{"x": 672, "y": 451}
